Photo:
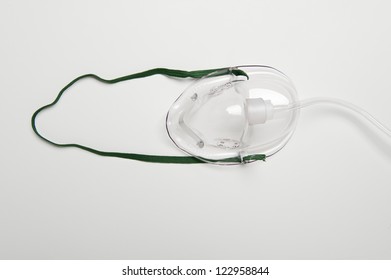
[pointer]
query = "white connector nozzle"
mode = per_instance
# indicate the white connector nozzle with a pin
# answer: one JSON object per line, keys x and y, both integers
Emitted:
{"x": 259, "y": 110}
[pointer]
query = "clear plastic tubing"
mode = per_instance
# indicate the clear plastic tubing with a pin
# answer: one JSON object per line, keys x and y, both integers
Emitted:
{"x": 334, "y": 101}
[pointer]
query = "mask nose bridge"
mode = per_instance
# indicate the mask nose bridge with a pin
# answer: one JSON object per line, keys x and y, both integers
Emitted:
{"x": 195, "y": 103}
{"x": 190, "y": 132}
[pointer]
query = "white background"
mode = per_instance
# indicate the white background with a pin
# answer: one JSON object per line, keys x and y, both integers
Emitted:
{"x": 326, "y": 195}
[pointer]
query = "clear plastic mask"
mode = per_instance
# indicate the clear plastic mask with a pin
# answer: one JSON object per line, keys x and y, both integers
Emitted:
{"x": 228, "y": 116}
{"x": 224, "y": 116}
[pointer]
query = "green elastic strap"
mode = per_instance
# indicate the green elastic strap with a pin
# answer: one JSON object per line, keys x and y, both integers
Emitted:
{"x": 142, "y": 157}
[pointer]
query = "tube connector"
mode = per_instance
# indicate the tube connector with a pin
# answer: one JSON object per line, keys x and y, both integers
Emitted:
{"x": 259, "y": 110}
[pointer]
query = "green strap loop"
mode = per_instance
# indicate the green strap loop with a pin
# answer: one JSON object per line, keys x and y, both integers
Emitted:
{"x": 143, "y": 157}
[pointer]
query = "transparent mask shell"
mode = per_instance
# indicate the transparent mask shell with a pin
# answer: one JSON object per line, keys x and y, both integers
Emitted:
{"x": 210, "y": 119}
